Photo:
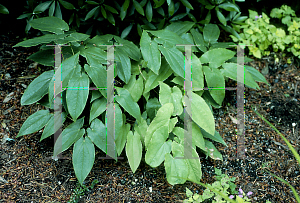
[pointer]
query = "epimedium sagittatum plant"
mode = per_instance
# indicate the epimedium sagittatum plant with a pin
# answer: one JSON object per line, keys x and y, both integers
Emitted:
{"x": 145, "y": 120}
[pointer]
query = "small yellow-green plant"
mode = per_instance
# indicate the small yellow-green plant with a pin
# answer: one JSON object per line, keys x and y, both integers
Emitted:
{"x": 261, "y": 35}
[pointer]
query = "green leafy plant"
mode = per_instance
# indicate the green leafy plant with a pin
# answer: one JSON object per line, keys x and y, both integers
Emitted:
{"x": 222, "y": 184}
{"x": 261, "y": 35}
{"x": 144, "y": 119}
{"x": 80, "y": 190}
{"x": 3, "y": 9}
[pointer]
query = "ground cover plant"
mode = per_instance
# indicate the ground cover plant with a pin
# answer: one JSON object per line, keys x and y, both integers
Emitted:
{"x": 262, "y": 35}
{"x": 141, "y": 70}
{"x": 160, "y": 116}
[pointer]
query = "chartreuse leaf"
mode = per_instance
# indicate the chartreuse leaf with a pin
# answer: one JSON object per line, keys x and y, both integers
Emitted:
{"x": 158, "y": 147}
{"x": 129, "y": 48}
{"x": 199, "y": 41}
{"x": 97, "y": 133}
{"x": 231, "y": 69}
{"x": 135, "y": 87}
{"x": 35, "y": 122}
{"x": 168, "y": 95}
{"x": 216, "y": 57}
{"x": 172, "y": 123}
{"x": 211, "y": 33}
{"x": 124, "y": 66}
{"x": 180, "y": 27}
{"x": 152, "y": 81}
{"x": 50, "y": 24}
{"x": 150, "y": 52}
{"x": 161, "y": 119}
{"x": 134, "y": 150}
{"x": 125, "y": 100}
{"x": 83, "y": 158}
{"x": 174, "y": 58}
{"x": 256, "y": 75}
{"x": 68, "y": 136}
{"x": 197, "y": 136}
{"x": 49, "y": 128}
{"x": 177, "y": 170}
{"x": 215, "y": 79}
{"x": 98, "y": 107}
{"x": 37, "y": 88}
{"x": 201, "y": 113}
{"x": 212, "y": 151}
{"x": 77, "y": 94}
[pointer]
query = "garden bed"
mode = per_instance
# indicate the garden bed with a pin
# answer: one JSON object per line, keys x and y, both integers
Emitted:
{"x": 27, "y": 174}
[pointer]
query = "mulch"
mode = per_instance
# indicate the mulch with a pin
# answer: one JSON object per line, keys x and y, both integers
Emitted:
{"x": 27, "y": 174}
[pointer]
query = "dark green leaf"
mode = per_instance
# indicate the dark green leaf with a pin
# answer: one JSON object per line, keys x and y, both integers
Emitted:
{"x": 180, "y": 27}
{"x": 149, "y": 12}
{"x": 159, "y": 3}
{"x": 111, "y": 9}
{"x": 52, "y": 9}
{"x": 103, "y": 12}
{"x": 50, "y": 24}
{"x": 229, "y": 7}
{"x": 138, "y": 7}
{"x": 178, "y": 17}
{"x": 126, "y": 31}
{"x": 111, "y": 18}
{"x": 91, "y": 13}
{"x": 41, "y": 7}
{"x": 126, "y": 5}
{"x": 171, "y": 8}
{"x": 187, "y": 4}
{"x": 3, "y": 9}
{"x": 58, "y": 11}
{"x": 221, "y": 17}
{"x": 67, "y": 5}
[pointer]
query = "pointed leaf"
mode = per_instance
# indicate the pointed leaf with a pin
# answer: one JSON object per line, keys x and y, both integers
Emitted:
{"x": 125, "y": 100}
{"x": 174, "y": 58}
{"x": 230, "y": 70}
{"x": 50, "y": 24}
{"x": 129, "y": 48}
{"x": 91, "y": 13}
{"x": 97, "y": 134}
{"x": 212, "y": 151}
{"x": 98, "y": 107}
{"x": 221, "y": 17}
{"x": 215, "y": 79}
{"x": 124, "y": 66}
{"x": 135, "y": 87}
{"x": 211, "y": 33}
{"x": 126, "y": 31}
{"x": 201, "y": 113}
{"x": 138, "y": 7}
{"x": 152, "y": 81}
{"x": 150, "y": 52}
{"x": 161, "y": 119}
{"x": 180, "y": 27}
{"x": 176, "y": 169}
{"x": 134, "y": 150}
{"x": 68, "y": 136}
{"x": 77, "y": 94}
{"x": 216, "y": 137}
{"x": 256, "y": 75}
{"x": 198, "y": 39}
{"x": 174, "y": 96}
{"x": 49, "y": 128}
{"x": 158, "y": 147}
{"x": 83, "y": 158}
{"x": 149, "y": 12}
{"x": 216, "y": 57}
{"x": 35, "y": 122}
{"x": 37, "y": 88}
{"x": 41, "y": 7}
{"x": 98, "y": 75}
